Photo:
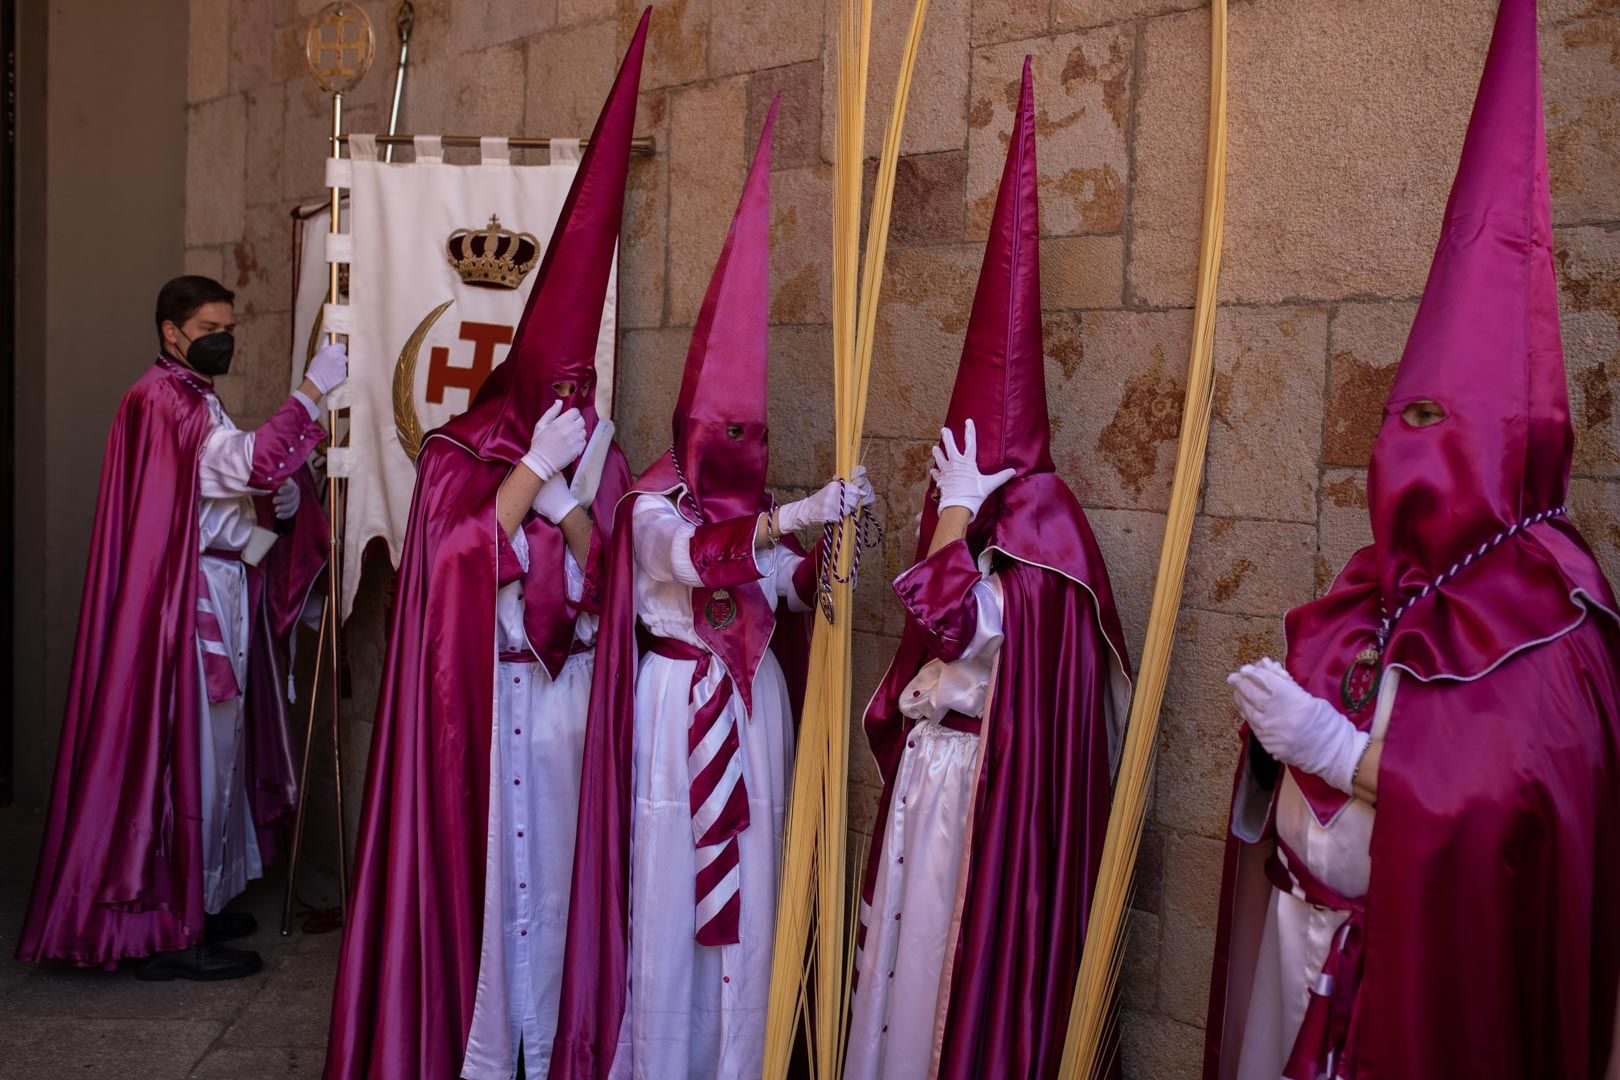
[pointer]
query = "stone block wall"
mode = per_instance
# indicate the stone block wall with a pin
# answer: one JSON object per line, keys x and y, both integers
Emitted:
{"x": 1346, "y": 118}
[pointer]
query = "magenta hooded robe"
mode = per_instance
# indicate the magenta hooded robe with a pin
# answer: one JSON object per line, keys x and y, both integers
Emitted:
{"x": 407, "y": 978}
{"x": 1044, "y": 787}
{"x": 1489, "y": 943}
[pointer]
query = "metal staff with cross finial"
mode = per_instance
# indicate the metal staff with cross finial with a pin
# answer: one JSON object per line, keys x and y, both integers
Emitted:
{"x": 338, "y": 47}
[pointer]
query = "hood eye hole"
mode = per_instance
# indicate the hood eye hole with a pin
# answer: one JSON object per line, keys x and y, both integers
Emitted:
{"x": 734, "y": 432}
{"x": 564, "y": 387}
{"x": 1422, "y": 414}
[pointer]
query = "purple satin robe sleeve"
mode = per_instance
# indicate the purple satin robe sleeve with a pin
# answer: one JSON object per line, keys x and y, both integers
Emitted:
{"x": 938, "y": 595}
{"x": 723, "y": 553}
{"x": 807, "y": 576}
{"x": 283, "y": 444}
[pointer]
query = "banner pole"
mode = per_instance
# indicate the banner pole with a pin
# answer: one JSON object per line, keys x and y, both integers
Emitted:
{"x": 641, "y": 145}
{"x": 338, "y": 48}
{"x": 303, "y": 779}
{"x": 335, "y": 491}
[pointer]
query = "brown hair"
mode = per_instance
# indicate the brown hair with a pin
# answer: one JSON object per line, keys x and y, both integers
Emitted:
{"x": 180, "y": 298}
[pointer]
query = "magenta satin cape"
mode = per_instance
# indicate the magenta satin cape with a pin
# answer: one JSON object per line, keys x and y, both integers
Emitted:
{"x": 1493, "y": 948}
{"x": 120, "y": 868}
{"x": 596, "y": 962}
{"x": 408, "y": 974}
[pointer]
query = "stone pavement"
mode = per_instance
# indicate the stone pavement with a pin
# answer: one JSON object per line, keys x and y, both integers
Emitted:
{"x": 58, "y": 1021}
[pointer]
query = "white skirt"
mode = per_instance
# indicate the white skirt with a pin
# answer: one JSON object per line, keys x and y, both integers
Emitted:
{"x": 230, "y": 846}
{"x": 539, "y": 741}
{"x": 698, "y": 1010}
{"x": 900, "y": 999}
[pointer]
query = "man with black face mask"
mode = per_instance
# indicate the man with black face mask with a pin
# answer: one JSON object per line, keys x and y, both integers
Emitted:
{"x": 175, "y": 771}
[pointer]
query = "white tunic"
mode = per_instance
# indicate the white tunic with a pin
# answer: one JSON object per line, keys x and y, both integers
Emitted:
{"x": 1297, "y": 936}
{"x": 226, "y": 519}
{"x": 536, "y": 747}
{"x": 696, "y": 1010}
{"x": 901, "y": 992}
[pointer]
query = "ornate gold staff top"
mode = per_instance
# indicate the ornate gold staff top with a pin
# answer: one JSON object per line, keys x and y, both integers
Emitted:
{"x": 339, "y": 47}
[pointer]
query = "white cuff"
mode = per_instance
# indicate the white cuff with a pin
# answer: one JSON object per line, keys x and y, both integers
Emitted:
{"x": 970, "y": 503}
{"x": 573, "y": 576}
{"x": 520, "y": 547}
{"x": 987, "y": 631}
{"x": 310, "y": 406}
{"x": 1344, "y": 772}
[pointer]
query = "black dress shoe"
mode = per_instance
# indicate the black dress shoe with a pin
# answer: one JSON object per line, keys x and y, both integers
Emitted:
{"x": 204, "y": 963}
{"x": 228, "y": 926}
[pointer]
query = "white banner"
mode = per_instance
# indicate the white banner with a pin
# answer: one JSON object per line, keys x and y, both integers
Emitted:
{"x": 443, "y": 260}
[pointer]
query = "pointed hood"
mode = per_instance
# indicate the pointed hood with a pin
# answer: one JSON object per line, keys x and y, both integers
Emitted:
{"x": 1001, "y": 386}
{"x": 1485, "y": 345}
{"x": 720, "y": 443}
{"x": 1473, "y": 559}
{"x": 1001, "y": 381}
{"x": 555, "y": 342}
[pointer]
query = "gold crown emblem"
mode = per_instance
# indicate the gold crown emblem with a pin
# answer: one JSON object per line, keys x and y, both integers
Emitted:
{"x": 493, "y": 257}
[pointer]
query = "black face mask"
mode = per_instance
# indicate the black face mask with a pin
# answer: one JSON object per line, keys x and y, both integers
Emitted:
{"x": 211, "y": 354}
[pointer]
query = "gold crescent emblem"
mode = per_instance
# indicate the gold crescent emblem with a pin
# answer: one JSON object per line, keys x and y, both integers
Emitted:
{"x": 407, "y": 424}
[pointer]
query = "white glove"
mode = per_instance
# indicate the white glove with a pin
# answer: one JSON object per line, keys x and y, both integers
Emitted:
{"x": 592, "y": 461}
{"x": 863, "y": 484}
{"x": 329, "y": 368}
{"x": 555, "y": 501}
{"x": 558, "y": 438}
{"x": 839, "y": 499}
{"x": 286, "y": 498}
{"x": 1295, "y": 727}
{"x": 956, "y": 472}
